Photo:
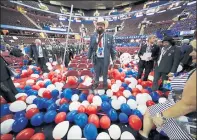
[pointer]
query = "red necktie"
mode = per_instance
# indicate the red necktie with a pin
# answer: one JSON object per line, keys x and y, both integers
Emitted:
{"x": 100, "y": 43}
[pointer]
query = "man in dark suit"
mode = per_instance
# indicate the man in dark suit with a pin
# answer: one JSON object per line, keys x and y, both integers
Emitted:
{"x": 39, "y": 53}
{"x": 167, "y": 63}
{"x": 148, "y": 64}
{"x": 100, "y": 50}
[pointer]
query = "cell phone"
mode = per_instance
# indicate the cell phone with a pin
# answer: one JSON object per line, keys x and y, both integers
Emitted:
{"x": 192, "y": 130}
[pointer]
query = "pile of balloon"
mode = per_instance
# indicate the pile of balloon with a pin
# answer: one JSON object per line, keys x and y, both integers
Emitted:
{"x": 78, "y": 114}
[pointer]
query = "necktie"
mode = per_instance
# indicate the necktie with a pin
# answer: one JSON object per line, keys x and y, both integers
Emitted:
{"x": 100, "y": 43}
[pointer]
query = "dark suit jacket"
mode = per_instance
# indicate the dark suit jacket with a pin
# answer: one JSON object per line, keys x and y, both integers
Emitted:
{"x": 34, "y": 52}
{"x": 170, "y": 61}
{"x": 155, "y": 52}
{"x": 4, "y": 73}
{"x": 109, "y": 48}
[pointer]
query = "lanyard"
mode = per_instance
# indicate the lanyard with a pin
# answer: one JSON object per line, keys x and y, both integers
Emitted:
{"x": 163, "y": 52}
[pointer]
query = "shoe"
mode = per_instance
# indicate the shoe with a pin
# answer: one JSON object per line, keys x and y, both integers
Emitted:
{"x": 95, "y": 85}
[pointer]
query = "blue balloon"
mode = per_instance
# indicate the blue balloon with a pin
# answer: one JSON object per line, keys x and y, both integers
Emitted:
{"x": 52, "y": 107}
{"x": 137, "y": 113}
{"x": 125, "y": 109}
{"x": 64, "y": 108}
{"x": 104, "y": 98}
{"x": 19, "y": 114}
{"x": 40, "y": 103}
{"x": 81, "y": 119}
{"x": 128, "y": 88}
{"x": 149, "y": 89}
{"x": 90, "y": 131}
{"x": 27, "y": 87}
{"x": 82, "y": 97}
{"x": 19, "y": 90}
{"x": 120, "y": 69}
{"x": 71, "y": 115}
{"x": 112, "y": 114}
{"x": 132, "y": 97}
{"x": 32, "y": 92}
{"x": 105, "y": 106}
{"x": 37, "y": 119}
{"x": 54, "y": 93}
{"x": 155, "y": 96}
{"x": 48, "y": 103}
{"x": 123, "y": 118}
{"x": 50, "y": 116}
{"x": 47, "y": 83}
{"x": 67, "y": 94}
{"x": 35, "y": 100}
{"x": 19, "y": 124}
{"x": 124, "y": 85}
{"x": 5, "y": 110}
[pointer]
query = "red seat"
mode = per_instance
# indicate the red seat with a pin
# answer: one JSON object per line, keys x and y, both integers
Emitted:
{"x": 90, "y": 66}
{"x": 73, "y": 65}
{"x": 85, "y": 73}
{"x": 82, "y": 66}
{"x": 71, "y": 73}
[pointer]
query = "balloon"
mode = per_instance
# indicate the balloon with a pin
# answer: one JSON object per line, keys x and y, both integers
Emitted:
{"x": 85, "y": 103}
{"x": 74, "y": 105}
{"x": 75, "y": 97}
{"x": 132, "y": 97}
{"x": 94, "y": 119}
{"x": 31, "y": 112}
{"x": 139, "y": 87}
{"x": 105, "y": 122}
{"x": 81, "y": 119}
{"x": 160, "y": 93}
{"x": 17, "y": 106}
{"x": 114, "y": 131}
{"x": 6, "y": 126}
{"x": 115, "y": 88}
{"x": 75, "y": 132}
{"x": 123, "y": 118}
{"x": 135, "y": 122}
{"x": 5, "y": 110}
{"x": 37, "y": 119}
{"x": 109, "y": 92}
{"x": 162, "y": 100}
{"x": 19, "y": 124}
{"x": 20, "y": 95}
{"x": 105, "y": 106}
{"x": 60, "y": 130}
{"x": 71, "y": 80}
{"x": 6, "y": 137}
{"x": 52, "y": 107}
{"x": 64, "y": 108}
{"x": 101, "y": 92}
{"x": 112, "y": 115}
{"x": 63, "y": 101}
{"x": 54, "y": 93}
{"x": 29, "y": 99}
{"x": 149, "y": 103}
{"x": 125, "y": 109}
{"x": 90, "y": 98}
{"x": 67, "y": 94}
{"x": 135, "y": 90}
{"x": 140, "y": 99}
{"x": 97, "y": 100}
{"x": 47, "y": 94}
{"x": 71, "y": 115}
{"x": 116, "y": 104}
{"x": 6, "y": 117}
{"x": 122, "y": 99}
{"x": 50, "y": 116}
{"x": 90, "y": 131}
{"x": 38, "y": 136}
{"x": 35, "y": 87}
{"x": 103, "y": 136}
{"x": 132, "y": 104}
{"x": 142, "y": 109}
{"x": 25, "y": 134}
{"x": 60, "y": 117}
{"x": 91, "y": 109}
{"x": 155, "y": 96}
{"x": 81, "y": 109}
{"x": 137, "y": 113}
{"x": 127, "y": 135}
{"x": 126, "y": 93}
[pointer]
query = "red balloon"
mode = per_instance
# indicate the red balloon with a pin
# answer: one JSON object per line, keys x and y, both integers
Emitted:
{"x": 60, "y": 117}
{"x": 38, "y": 136}
{"x": 127, "y": 82}
{"x": 113, "y": 81}
{"x": 90, "y": 97}
{"x": 71, "y": 80}
{"x": 25, "y": 134}
{"x": 135, "y": 90}
{"x": 134, "y": 93}
{"x": 6, "y": 117}
{"x": 160, "y": 93}
{"x": 149, "y": 103}
{"x": 167, "y": 93}
{"x": 51, "y": 75}
{"x": 91, "y": 109}
{"x": 6, "y": 137}
{"x": 121, "y": 89}
{"x": 47, "y": 94}
{"x": 21, "y": 86}
{"x": 105, "y": 122}
{"x": 144, "y": 84}
{"x": 149, "y": 83}
{"x": 31, "y": 112}
{"x": 30, "y": 71}
{"x": 144, "y": 91}
{"x": 94, "y": 119}
{"x": 41, "y": 85}
{"x": 85, "y": 92}
{"x": 54, "y": 80}
{"x": 139, "y": 81}
{"x": 63, "y": 100}
{"x": 64, "y": 78}
{"x": 81, "y": 109}
{"x": 135, "y": 122}
{"x": 109, "y": 86}
{"x": 36, "y": 87}
{"x": 119, "y": 93}
{"x": 122, "y": 74}
{"x": 22, "y": 98}
{"x": 2, "y": 100}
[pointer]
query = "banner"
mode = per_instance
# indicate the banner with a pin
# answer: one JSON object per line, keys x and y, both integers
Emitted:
{"x": 132, "y": 37}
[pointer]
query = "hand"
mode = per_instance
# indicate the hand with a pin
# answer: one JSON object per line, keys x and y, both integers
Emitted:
{"x": 158, "y": 121}
{"x": 170, "y": 74}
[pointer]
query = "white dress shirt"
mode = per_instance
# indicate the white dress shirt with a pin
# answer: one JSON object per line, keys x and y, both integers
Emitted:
{"x": 100, "y": 50}
{"x": 40, "y": 52}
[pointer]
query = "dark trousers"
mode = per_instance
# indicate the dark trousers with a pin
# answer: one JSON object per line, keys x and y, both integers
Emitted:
{"x": 100, "y": 70}
{"x": 148, "y": 66}
{"x": 42, "y": 64}
{"x": 157, "y": 76}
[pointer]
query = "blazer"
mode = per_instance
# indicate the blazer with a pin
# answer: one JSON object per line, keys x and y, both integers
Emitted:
{"x": 34, "y": 52}
{"x": 4, "y": 74}
{"x": 155, "y": 50}
{"x": 109, "y": 48}
{"x": 170, "y": 61}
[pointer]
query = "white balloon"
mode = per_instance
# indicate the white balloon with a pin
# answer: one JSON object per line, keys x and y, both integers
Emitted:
{"x": 30, "y": 99}
{"x": 57, "y": 71}
{"x": 162, "y": 100}
{"x": 60, "y": 130}
{"x": 75, "y": 132}
{"x": 23, "y": 71}
{"x": 127, "y": 135}
{"x": 31, "y": 66}
{"x": 140, "y": 99}
{"x": 139, "y": 87}
{"x": 118, "y": 82}
{"x": 115, "y": 104}
{"x": 85, "y": 103}
{"x": 147, "y": 96}
{"x": 101, "y": 91}
{"x": 115, "y": 88}
{"x": 6, "y": 126}
{"x": 51, "y": 87}
{"x": 45, "y": 80}
{"x": 103, "y": 136}
{"x": 57, "y": 102}
{"x": 45, "y": 75}
{"x": 30, "y": 82}
{"x": 20, "y": 94}
{"x": 48, "y": 64}
{"x": 114, "y": 131}
{"x": 17, "y": 106}
{"x": 97, "y": 100}
{"x": 34, "y": 75}
{"x": 150, "y": 77}
{"x": 75, "y": 97}
{"x": 133, "y": 80}
{"x": 95, "y": 91}
{"x": 132, "y": 104}
{"x": 126, "y": 93}
{"x": 109, "y": 92}
{"x": 74, "y": 105}
{"x": 31, "y": 106}
{"x": 54, "y": 63}
{"x": 125, "y": 58}
{"x": 142, "y": 109}
{"x": 37, "y": 83}
{"x": 114, "y": 97}
{"x": 40, "y": 91}
{"x": 122, "y": 99}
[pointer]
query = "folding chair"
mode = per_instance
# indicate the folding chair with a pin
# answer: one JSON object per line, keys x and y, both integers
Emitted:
{"x": 73, "y": 65}
{"x": 85, "y": 73}
{"x": 82, "y": 66}
{"x": 71, "y": 73}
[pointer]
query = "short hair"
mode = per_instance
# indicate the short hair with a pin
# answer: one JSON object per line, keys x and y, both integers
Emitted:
{"x": 151, "y": 36}
{"x": 38, "y": 40}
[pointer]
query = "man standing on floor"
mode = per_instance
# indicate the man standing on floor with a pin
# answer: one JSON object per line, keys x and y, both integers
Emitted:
{"x": 100, "y": 49}
{"x": 38, "y": 52}
{"x": 147, "y": 63}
